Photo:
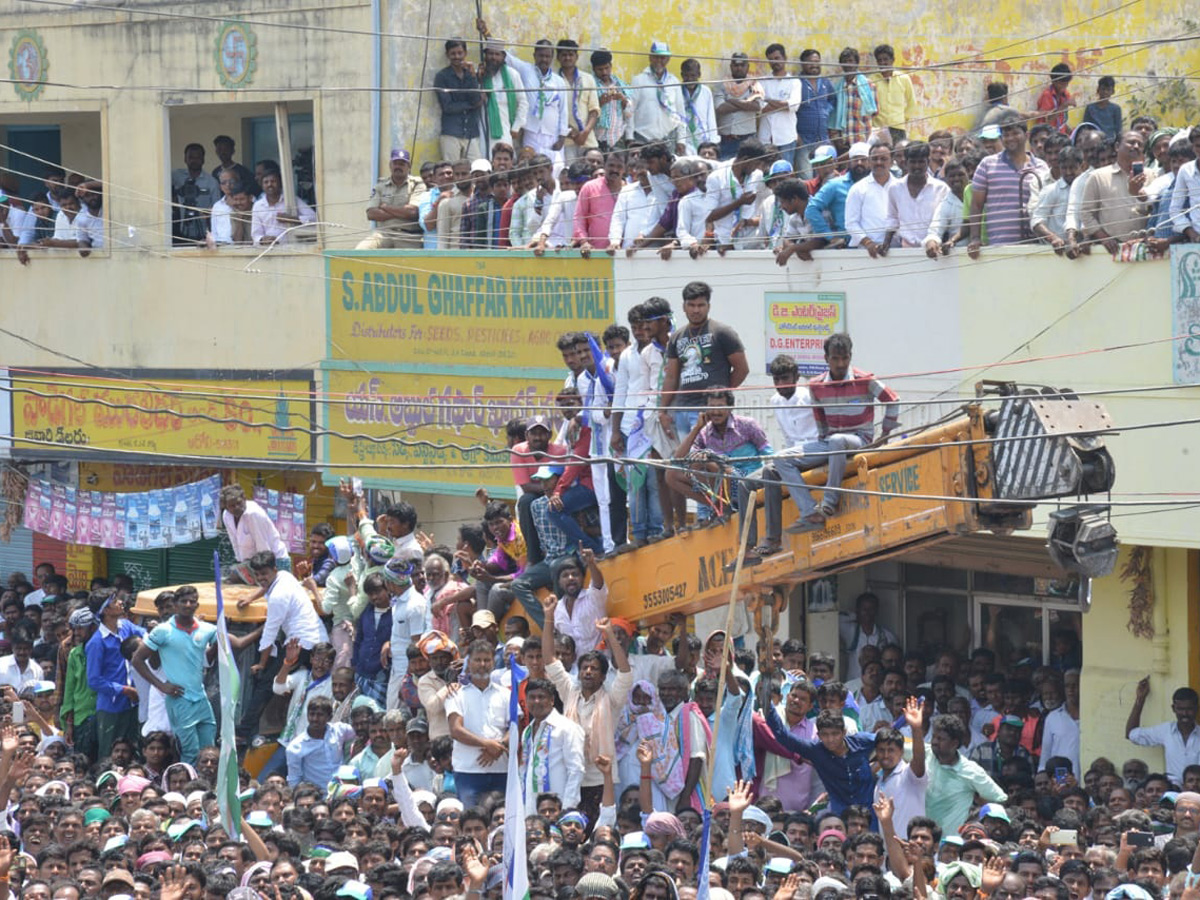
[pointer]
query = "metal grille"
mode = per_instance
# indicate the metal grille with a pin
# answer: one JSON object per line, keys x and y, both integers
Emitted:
{"x": 1029, "y": 463}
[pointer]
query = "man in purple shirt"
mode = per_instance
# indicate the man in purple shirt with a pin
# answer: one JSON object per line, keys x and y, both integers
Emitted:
{"x": 719, "y": 443}
{"x": 794, "y": 788}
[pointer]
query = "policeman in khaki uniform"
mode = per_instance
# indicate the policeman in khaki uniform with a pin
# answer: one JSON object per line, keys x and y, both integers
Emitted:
{"x": 393, "y": 207}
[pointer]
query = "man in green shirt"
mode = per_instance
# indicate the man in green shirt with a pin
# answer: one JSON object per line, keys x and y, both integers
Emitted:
{"x": 185, "y": 646}
{"x": 954, "y": 780}
{"x": 78, "y": 711}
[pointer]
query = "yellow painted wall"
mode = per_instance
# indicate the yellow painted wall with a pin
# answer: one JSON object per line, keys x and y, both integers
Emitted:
{"x": 1001, "y": 41}
{"x": 1115, "y": 660}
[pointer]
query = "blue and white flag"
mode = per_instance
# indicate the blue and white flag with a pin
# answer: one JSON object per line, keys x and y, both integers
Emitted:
{"x": 516, "y": 867}
{"x": 231, "y": 689}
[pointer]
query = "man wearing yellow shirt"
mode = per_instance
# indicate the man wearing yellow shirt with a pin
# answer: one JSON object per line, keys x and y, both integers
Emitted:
{"x": 894, "y": 93}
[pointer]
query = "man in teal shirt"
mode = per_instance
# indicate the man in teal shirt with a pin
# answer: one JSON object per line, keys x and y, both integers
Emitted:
{"x": 185, "y": 647}
{"x": 954, "y": 780}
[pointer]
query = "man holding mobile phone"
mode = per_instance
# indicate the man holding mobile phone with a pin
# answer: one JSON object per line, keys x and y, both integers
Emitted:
{"x": 1115, "y": 204}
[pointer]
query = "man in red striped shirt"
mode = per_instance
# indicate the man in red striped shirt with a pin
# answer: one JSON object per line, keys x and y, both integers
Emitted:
{"x": 844, "y": 406}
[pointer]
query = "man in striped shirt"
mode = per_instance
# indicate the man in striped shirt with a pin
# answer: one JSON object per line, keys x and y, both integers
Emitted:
{"x": 1002, "y": 187}
{"x": 843, "y": 405}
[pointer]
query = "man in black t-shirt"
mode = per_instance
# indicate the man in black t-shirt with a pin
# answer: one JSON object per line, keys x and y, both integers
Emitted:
{"x": 701, "y": 355}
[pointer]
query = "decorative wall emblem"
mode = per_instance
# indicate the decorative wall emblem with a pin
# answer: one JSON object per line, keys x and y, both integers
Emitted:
{"x": 28, "y": 65}
{"x": 237, "y": 54}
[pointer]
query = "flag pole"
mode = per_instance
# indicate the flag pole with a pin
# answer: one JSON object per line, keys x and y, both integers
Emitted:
{"x": 751, "y": 512}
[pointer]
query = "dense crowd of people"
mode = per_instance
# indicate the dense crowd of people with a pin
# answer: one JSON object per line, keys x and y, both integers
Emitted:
{"x": 880, "y": 773}
{"x": 542, "y": 155}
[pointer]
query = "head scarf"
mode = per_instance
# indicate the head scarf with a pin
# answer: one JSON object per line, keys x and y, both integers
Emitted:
{"x": 340, "y": 549}
{"x": 624, "y": 624}
{"x": 154, "y": 856}
{"x": 970, "y": 871}
{"x": 254, "y": 870}
{"x": 191, "y": 772}
{"x": 364, "y": 700}
{"x": 661, "y": 823}
{"x": 432, "y": 642}
{"x": 420, "y": 797}
{"x": 379, "y": 549}
{"x": 672, "y": 890}
{"x": 133, "y": 784}
{"x": 45, "y": 788}
{"x": 398, "y": 572}
{"x": 575, "y": 816}
{"x": 81, "y": 618}
{"x": 712, "y": 668}
{"x": 422, "y": 866}
{"x": 754, "y": 814}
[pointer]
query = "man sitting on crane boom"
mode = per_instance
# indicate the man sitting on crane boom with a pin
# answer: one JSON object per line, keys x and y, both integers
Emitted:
{"x": 844, "y": 406}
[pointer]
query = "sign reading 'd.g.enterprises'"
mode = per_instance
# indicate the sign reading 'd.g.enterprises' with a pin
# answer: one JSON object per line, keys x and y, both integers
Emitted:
{"x": 451, "y": 309}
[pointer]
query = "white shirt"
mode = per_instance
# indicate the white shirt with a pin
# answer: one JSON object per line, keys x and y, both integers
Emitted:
{"x": 559, "y": 223}
{"x": 907, "y": 792}
{"x": 219, "y": 224}
{"x": 636, "y": 212}
{"x": 655, "y": 117}
{"x": 11, "y": 675}
{"x": 872, "y": 713}
{"x": 253, "y": 532}
{"x": 794, "y": 416}
{"x": 690, "y": 222}
{"x": 1179, "y": 753}
{"x": 854, "y": 639}
{"x": 547, "y": 99}
{"x": 562, "y": 773}
{"x": 290, "y": 610}
{"x": 520, "y": 98}
{"x": 632, "y": 391}
{"x": 948, "y": 218}
{"x": 1060, "y": 737}
{"x": 722, "y": 188}
{"x": 410, "y": 618}
{"x": 299, "y": 685}
{"x": 1051, "y": 208}
{"x": 739, "y": 122}
{"x": 699, "y": 118}
{"x": 64, "y": 228}
{"x": 152, "y": 704}
{"x": 419, "y": 775}
{"x": 1185, "y": 198}
{"x": 778, "y": 127}
{"x": 89, "y": 229}
{"x": 23, "y": 224}
{"x": 981, "y": 717}
{"x": 265, "y": 227}
{"x": 1075, "y": 200}
{"x": 867, "y": 209}
{"x": 775, "y": 225}
{"x": 580, "y": 622}
{"x": 484, "y": 714}
{"x": 911, "y": 216}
